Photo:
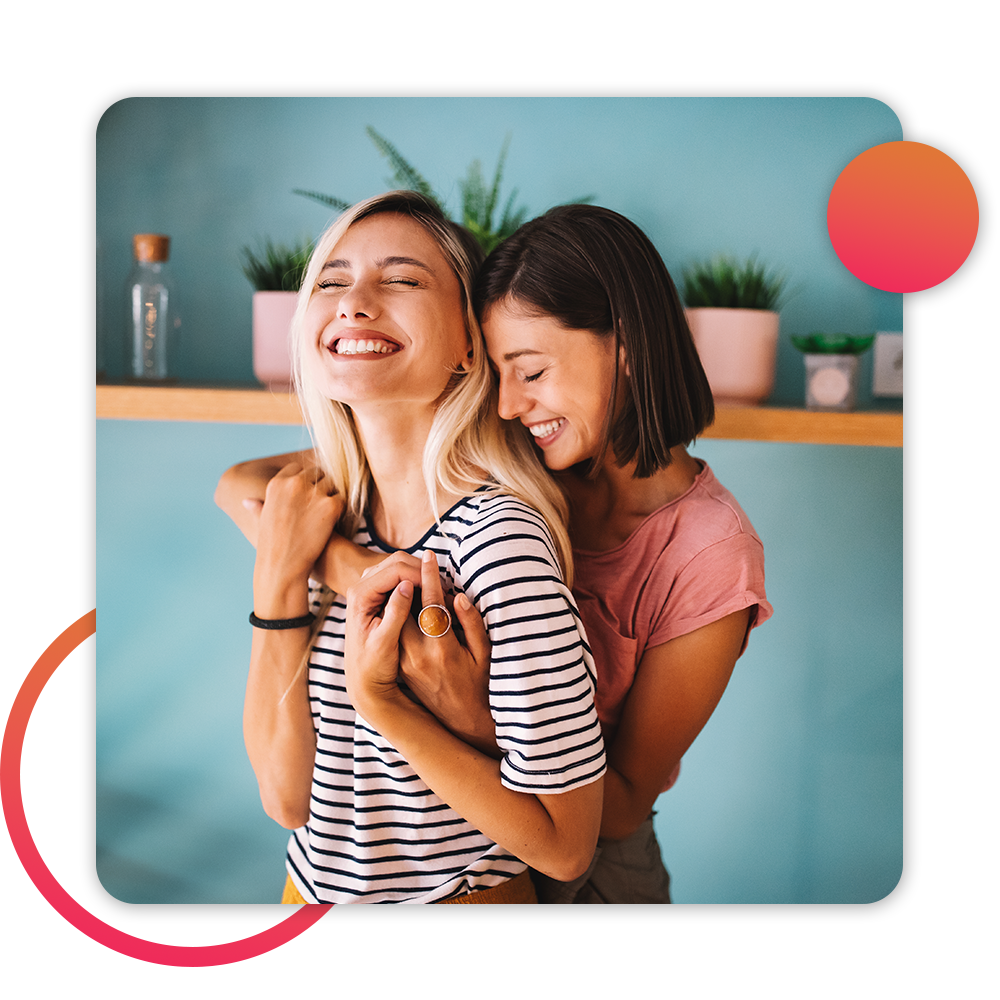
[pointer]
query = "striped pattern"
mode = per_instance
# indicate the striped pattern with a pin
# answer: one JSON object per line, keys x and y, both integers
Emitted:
{"x": 377, "y": 833}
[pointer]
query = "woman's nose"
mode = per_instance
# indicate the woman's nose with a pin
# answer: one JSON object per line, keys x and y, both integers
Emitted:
{"x": 359, "y": 300}
{"x": 511, "y": 399}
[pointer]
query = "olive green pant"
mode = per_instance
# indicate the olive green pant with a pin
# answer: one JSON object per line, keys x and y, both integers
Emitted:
{"x": 623, "y": 871}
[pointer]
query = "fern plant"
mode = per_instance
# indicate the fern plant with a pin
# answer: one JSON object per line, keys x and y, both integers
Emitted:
{"x": 723, "y": 283}
{"x": 479, "y": 200}
{"x": 404, "y": 175}
{"x": 479, "y": 203}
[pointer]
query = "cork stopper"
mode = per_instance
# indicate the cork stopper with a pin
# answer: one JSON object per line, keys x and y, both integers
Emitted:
{"x": 151, "y": 247}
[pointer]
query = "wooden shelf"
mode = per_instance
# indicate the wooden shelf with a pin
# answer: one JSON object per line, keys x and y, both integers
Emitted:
{"x": 262, "y": 406}
{"x": 212, "y": 404}
{"x": 765, "y": 423}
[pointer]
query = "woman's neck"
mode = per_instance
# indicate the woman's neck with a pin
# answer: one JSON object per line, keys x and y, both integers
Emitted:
{"x": 606, "y": 510}
{"x": 394, "y": 441}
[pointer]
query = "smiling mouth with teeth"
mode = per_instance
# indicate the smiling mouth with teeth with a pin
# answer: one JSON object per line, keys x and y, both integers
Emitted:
{"x": 547, "y": 429}
{"x": 375, "y": 346}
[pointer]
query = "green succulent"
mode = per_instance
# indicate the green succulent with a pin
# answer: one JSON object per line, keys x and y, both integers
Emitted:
{"x": 480, "y": 200}
{"x": 832, "y": 343}
{"x": 276, "y": 267}
{"x": 722, "y": 283}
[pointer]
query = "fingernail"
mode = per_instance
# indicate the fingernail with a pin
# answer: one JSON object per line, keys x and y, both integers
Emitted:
{"x": 406, "y": 589}
{"x": 429, "y": 556}
{"x": 463, "y": 602}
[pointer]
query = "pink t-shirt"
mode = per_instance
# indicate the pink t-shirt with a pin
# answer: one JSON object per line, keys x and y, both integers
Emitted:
{"x": 690, "y": 563}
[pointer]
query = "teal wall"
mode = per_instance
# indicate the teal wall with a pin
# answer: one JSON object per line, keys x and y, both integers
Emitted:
{"x": 700, "y": 176}
{"x": 793, "y": 793}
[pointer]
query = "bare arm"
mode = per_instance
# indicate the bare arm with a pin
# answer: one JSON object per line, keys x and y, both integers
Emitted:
{"x": 675, "y": 691}
{"x": 277, "y": 724}
{"x": 248, "y": 481}
{"x": 556, "y": 834}
{"x": 677, "y": 688}
{"x": 240, "y": 494}
{"x": 278, "y": 730}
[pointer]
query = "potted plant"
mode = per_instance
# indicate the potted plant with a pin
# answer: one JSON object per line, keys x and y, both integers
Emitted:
{"x": 832, "y": 365}
{"x": 275, "y": 272}
{"x": 732, "y": 310}
{"x": 479, "y": 201}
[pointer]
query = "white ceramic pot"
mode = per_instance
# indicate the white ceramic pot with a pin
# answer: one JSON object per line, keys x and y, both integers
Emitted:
{"x": 272, "y": 320}
{"x": 738, "y": 350}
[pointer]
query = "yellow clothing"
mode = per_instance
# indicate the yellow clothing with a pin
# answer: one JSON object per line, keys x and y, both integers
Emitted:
{"x": 516, "y": 890}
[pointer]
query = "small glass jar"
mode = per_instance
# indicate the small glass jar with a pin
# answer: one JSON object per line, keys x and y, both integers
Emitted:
{"x": 152, "y": 325}
{"x": 832, "y": 381}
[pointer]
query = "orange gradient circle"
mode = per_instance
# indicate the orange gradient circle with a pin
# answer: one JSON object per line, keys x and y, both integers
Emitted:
{"x": 902, "y": 216}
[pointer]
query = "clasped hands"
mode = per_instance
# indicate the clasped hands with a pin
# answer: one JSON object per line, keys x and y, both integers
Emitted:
{"x": 383, "y": 644}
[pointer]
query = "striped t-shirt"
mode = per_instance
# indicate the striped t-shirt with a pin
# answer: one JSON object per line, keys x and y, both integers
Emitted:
{"x": 377, "y": 833}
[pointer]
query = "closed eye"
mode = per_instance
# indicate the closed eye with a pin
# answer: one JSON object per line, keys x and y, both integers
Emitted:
{"x": 337, "y": 283}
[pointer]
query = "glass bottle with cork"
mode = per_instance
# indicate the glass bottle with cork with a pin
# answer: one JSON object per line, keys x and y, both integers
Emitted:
{"x": 153, "y": 323}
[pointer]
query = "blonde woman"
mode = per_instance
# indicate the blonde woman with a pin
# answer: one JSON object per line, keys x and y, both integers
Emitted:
{"x": 410, "y": 455}
{"x": 594, "y": 358}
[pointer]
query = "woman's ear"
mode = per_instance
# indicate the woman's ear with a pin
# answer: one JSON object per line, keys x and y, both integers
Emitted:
{"x": 466, "y": 364}
{"x": 623, "y": 360}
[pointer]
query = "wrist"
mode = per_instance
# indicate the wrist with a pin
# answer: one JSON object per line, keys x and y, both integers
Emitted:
{"x": 342, "y": 562}
{"x": 480, "y": 735}
{"x": 280, "y": 598}
{"x": 329, "y": 563}
{"x": 383, "y": 704}
{"x": 473, "y": 724}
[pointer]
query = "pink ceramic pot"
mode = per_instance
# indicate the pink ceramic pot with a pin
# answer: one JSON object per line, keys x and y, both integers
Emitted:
{"x": 738, "y": 349}
{"x": 272, "y": 319}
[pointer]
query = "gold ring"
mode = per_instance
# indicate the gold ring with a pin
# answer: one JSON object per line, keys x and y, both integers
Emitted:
{"x": 434, "y": 620}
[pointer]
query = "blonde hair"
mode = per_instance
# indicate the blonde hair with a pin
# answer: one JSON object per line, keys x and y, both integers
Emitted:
{"x": 469, "y": 445}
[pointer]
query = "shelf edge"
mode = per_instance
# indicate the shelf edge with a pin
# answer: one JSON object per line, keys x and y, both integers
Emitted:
{"x": 263, "y": 406}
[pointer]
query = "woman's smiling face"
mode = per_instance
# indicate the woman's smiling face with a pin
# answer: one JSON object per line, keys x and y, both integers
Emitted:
{"x": 385, "y": 321}
{"x": 556, "y": 381}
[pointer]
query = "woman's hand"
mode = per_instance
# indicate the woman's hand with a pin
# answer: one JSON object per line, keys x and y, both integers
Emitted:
{"x": 378, "y": 606}
{"x": 555, "y": 833}
{"x": 340, "y": 564}
{"x": 298, "y": 516}
{"x": 450, "y": 679}
{"x": 240, "y": 491}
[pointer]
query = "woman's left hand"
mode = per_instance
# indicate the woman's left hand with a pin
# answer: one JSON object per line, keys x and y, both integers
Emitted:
{"x": 377, "y": 608}
{"x": 451, "y": 676}
{"x": 300, "y": 510}
{"x": 383, "y": 645}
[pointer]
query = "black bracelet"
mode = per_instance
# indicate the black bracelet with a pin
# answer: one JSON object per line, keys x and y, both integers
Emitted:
{"x": 306, "y": 619}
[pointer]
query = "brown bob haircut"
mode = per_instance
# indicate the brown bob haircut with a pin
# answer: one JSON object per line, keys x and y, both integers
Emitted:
{"x": 592, "y": 269}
